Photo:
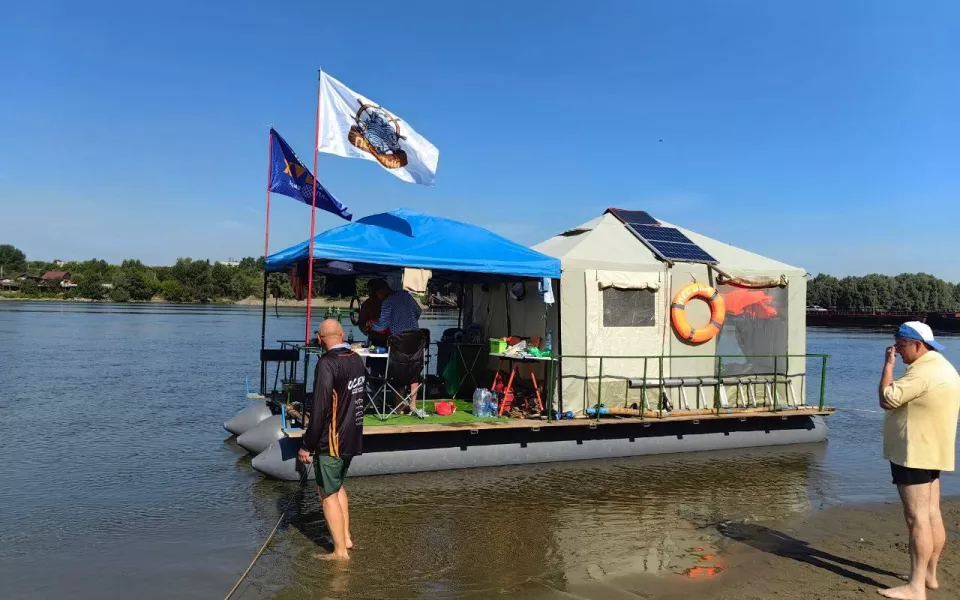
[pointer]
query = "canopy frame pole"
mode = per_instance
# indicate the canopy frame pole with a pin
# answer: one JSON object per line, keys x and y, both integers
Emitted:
{"x": 313, "y": 212}
{"x": 460, "y": 308}
{"x": 558, "y": 341}
{"x": 266, "y": 251}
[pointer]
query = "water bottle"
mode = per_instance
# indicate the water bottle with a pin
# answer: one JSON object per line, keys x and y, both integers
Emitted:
{"x": 548, "y": 342}
{"x": 479, "y": 403}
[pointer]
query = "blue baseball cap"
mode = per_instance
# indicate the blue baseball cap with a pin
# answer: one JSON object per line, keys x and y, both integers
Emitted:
{"x": 915, "y": 330}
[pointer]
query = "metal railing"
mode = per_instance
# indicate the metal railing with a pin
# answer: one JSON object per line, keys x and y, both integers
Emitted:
{"x": 719, "y": 381}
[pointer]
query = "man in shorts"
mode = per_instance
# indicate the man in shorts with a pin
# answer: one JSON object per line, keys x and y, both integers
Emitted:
{"x": 335, "y": 430}
{"x": 919, "y": 436}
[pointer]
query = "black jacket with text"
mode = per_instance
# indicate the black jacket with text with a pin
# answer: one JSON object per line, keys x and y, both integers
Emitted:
{"x": 336, "y": 417}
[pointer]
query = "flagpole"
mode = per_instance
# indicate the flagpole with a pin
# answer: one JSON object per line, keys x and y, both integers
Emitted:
{"x": 313, "y": 214}
{"x": 266, "y": 250}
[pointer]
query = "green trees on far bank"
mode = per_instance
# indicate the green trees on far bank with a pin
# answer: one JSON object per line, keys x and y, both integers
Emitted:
{"x": 910, "y": 292}
{"x": 12, "y": 260}
{"x": 187, "y": 280}
{"x": 190, "y": 280}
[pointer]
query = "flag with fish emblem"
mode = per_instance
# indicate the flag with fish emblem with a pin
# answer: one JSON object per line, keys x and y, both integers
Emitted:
{"x": 353, "y": 126}
{"x": 288, "y": 176}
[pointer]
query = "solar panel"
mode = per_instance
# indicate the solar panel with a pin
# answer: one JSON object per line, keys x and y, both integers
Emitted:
{"x": 655, "y": 233}
{"x": 634, "y": 217}
{"x": 667, "y": 242}
{"x": 681, "y": 252}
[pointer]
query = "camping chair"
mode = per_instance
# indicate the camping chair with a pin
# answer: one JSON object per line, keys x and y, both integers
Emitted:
{"x": 286, "y": 359}
{"x": 405, "y": 365}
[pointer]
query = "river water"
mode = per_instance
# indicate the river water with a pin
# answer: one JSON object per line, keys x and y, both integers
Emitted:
{"x": 118, "y": 480}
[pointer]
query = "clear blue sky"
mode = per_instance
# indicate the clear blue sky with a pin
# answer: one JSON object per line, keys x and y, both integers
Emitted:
{"x": 825, "y": 134}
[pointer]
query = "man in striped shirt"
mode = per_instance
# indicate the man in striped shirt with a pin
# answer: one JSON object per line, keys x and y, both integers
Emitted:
{"x": 399, "y": 312}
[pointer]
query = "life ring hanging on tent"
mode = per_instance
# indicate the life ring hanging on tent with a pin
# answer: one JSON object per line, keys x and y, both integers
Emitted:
{"x": 355, "y": 311}
{"x": 678, "y": 313}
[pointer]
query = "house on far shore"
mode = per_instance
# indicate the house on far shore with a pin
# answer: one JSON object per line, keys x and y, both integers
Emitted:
{"x": 7, "y": 284}
{"x": 53, "y": 279}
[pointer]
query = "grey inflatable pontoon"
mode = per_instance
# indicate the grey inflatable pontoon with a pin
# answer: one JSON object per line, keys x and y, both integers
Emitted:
{"x": 248, "y": 418}
{"x": 266, "y": 432}
{"x": 279, "y": 461}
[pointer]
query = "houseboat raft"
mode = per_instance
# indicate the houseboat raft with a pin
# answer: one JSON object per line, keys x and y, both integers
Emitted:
{"x": 638, "y": 364}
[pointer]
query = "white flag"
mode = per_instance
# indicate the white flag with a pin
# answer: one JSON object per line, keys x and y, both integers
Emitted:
{"x": 353, "y": 126}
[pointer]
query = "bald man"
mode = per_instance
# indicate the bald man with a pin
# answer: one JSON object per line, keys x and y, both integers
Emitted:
{"x": 335, "y": 430}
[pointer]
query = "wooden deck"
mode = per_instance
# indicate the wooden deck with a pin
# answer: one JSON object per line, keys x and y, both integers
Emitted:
{"x": 676, "y": 416}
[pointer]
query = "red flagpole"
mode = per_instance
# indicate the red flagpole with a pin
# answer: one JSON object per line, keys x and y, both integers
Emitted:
{"x": 266, "y": 249}
{"x": 313, "y": 215}
{"x": 266, "y": 232}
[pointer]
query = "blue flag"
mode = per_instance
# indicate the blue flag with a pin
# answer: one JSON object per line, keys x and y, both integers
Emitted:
{"x": 288, "y": 176}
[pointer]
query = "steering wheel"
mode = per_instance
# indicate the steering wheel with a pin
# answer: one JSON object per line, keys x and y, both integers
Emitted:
{"x": 355, "y": 311}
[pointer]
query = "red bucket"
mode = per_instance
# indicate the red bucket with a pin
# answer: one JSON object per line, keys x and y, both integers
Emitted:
{"x": 445, "y": 408}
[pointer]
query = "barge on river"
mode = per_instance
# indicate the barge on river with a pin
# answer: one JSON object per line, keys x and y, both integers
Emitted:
{"x": 664, "y": 340}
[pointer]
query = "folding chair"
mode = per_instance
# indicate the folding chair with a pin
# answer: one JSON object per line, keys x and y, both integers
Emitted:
{"x": 377, "y": 386}
{"x": 405, "y": 365}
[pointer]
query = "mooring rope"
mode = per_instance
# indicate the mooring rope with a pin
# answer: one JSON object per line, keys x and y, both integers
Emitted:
{"x": 266, "y": 542}
{"x": 876, "y": 412}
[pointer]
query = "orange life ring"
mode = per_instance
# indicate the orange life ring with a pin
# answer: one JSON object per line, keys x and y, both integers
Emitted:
{"x": 678, "y": 313}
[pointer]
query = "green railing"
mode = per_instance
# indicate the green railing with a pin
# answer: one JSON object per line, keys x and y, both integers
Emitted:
{"x": 774, "y": 378}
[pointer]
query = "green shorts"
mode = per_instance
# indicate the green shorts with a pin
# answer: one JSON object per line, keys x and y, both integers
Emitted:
{"x": 331, "y": 471}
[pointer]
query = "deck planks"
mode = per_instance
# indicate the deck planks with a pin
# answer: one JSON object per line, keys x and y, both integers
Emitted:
{"x": 543, "y": 423}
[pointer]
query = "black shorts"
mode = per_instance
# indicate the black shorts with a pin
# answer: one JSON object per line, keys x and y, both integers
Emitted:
{"x": 910, "y": 476}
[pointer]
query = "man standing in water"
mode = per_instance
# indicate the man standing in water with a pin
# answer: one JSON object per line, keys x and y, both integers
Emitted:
{"x": 335, "y": 431}
{"x": 919, "y": 436}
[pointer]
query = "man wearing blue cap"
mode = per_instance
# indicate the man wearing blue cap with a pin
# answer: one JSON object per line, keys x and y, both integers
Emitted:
{"x": 919, "y": 436}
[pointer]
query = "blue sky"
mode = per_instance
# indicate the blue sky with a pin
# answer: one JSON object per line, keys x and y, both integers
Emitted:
{"x": 824, "y": 134}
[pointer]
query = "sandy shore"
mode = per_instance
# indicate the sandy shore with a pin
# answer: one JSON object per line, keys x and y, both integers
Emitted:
{"x": 838, "y": 553}
{"x": 289, "y": 302}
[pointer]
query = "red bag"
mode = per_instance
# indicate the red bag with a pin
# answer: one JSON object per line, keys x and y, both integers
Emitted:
{"x": 445, "y": 408}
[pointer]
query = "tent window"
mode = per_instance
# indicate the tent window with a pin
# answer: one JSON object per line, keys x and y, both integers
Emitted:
{"x": 629, "y": 308}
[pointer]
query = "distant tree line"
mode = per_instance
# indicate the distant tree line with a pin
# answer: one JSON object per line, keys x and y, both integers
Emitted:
{"x": 187, "y": 280}
{"x": 910, "y": 292}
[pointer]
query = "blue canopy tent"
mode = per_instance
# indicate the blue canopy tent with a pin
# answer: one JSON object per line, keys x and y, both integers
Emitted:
{"x": 454, "y": 251}
{"x": 385, "y": 244}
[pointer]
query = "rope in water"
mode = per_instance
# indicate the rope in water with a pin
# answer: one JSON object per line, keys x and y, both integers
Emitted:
{"x": 266, "y": 542}
{"x": 876, "y": 412}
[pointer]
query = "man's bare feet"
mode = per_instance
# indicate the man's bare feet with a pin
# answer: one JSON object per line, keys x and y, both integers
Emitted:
{"x": 904, "y": 592}
{"x": 932, "y": 583}
{"x": 333, "y": 556}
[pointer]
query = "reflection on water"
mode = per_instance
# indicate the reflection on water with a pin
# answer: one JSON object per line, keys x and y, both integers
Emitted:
{"x": 117, "y": 481}
{"x": 525, "y": 529}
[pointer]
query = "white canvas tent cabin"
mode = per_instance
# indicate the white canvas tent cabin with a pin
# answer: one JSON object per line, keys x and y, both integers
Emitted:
{"x": 614, "y": 299}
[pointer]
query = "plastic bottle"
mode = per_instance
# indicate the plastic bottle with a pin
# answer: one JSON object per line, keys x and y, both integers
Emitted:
{"x": 548, "y": 342}
{"x": 480, "y": 403}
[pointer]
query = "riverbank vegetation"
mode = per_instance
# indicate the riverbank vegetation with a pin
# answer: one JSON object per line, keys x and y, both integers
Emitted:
{"x": 187, "y": 280}
{"x": 908, "y": 292}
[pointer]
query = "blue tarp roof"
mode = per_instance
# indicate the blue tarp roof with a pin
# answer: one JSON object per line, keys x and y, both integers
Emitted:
{"x": 404, "y": 238}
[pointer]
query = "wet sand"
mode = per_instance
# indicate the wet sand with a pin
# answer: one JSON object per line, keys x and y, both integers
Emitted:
{"x": 844, "y": 552}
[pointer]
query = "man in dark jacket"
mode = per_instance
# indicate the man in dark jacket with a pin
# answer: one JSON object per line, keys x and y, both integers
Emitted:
{"x": 335, "y": 429}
